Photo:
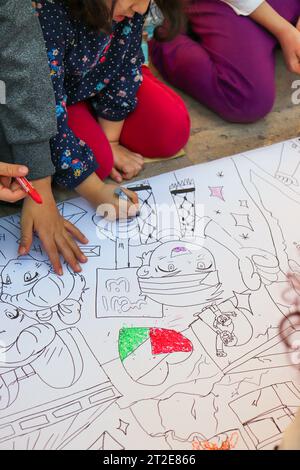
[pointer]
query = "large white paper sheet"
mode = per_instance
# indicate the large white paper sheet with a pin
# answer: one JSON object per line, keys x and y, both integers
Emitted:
{"x": 169, "y": 338}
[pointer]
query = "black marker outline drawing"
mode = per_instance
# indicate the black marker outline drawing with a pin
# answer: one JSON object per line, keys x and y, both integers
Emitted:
{"x": 288, "y": 168}
{"x": 41, "y": 292}
{"x": 265, "y": 423}
{"x": 215, "y": 277}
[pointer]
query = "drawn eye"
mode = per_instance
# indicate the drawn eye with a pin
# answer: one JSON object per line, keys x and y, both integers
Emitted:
{"x": 13, "y": 315}
{"x": 29, "y": 276}
{"x": 202, "y": 265}
{"x": 171, "y": 267}
{"x": 7, "y": 279}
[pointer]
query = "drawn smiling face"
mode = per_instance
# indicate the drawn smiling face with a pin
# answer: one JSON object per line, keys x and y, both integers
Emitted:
{"x": 178, "y": 258}
{"x": 21, "y": 275}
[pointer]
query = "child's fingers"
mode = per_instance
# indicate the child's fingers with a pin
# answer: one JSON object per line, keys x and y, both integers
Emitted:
{"x": 129, "y": 208}
{"x": 136, "y": 160}
{"x": 75, "y": 232}
{"x": 139, "y": 158}
{"x": 26, "y": 236}
{"x": 128, "y": 176}
{"x": 116, "y": 175}
{"x": 298, "y": 24}
{"x": 52, "y": 251}
{"x": 76, "y": 250}
{"x": 66, "y": 250}
{"x": 132, "y": 169}
{"x": 294, "y": 63}
{"x": 295, "y": 67}
{"x": 133, "y": 197}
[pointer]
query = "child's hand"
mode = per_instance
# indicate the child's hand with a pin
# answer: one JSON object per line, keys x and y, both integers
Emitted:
{"x": 127, "y": 164}
{"x": 287, "y": 34}
{"x": 113, "y": 207}
{"x": 290, "y": 43}
{"x": 102, "y": 196}
{"x": 56, "y": 234}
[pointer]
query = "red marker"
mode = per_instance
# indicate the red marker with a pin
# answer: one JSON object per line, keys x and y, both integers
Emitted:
{"x": 29, "y": 189}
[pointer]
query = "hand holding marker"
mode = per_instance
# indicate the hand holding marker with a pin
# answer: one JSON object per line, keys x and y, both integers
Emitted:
{"x": 29, "y": 189}
{"x": 121, "y": 194}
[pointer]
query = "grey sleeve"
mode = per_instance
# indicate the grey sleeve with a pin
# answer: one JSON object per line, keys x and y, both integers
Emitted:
{"x": 27, "y": 116}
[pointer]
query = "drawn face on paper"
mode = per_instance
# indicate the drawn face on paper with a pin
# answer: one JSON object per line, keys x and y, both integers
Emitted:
{"x": 21, "y": 275}
{"x": 12, "y": 323}
{"x": 180, "y": 274}
{"x": 229, "y": 339}
{"x": 178, "y": 258}
{"x": 224, "y": 320}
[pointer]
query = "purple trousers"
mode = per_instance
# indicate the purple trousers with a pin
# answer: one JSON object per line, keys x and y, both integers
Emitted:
{"x": 228, "y": 63}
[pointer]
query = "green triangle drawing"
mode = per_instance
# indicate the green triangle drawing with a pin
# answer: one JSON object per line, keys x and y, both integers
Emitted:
{"x": 130, "y": 339}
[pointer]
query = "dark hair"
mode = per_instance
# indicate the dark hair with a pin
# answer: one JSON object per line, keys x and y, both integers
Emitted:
{"x": 98, "y": 17}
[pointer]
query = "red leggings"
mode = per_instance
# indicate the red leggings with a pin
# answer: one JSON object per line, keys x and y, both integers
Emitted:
{"x": 158, "y": 128}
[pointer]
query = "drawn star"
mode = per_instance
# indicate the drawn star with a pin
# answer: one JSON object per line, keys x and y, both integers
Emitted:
{"x": 218, "y": 212}
{"x": 242, "y": 220}
{"x": 123, "y": 426}
{"x": 216, "y": 191}
{"x": 220, "y": 174}
{"x": 245, "y": 236}
{"x": 242, "y": 301}
{"x": 244, "y": 203}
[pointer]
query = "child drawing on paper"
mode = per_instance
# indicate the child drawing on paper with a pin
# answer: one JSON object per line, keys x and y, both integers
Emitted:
{"x": 34, "y": 287}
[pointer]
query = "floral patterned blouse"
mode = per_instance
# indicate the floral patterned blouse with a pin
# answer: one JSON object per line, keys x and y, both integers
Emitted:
{"x": 85, "y": 65}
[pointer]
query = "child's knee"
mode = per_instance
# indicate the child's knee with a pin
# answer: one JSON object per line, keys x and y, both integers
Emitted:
{"x": 175, "y": 132}
{"x": 251, "y": 106}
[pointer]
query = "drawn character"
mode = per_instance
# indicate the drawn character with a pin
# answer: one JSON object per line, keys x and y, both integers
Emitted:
{"x": 20, "y": 337}
{"x": 28, "y": 344}
{"x": 21, "y": 341}
{"x": 232, "y": 328}
{"x": 194, "y": 268}
{"x": 33, "y": 286}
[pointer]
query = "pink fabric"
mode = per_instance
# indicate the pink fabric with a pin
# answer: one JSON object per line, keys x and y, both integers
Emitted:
{"x": 158, "y": 128}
